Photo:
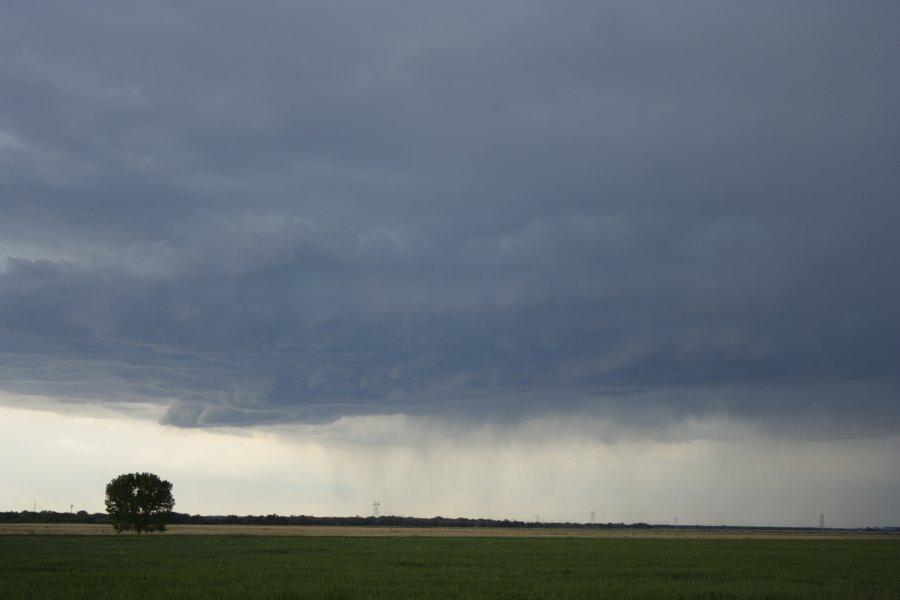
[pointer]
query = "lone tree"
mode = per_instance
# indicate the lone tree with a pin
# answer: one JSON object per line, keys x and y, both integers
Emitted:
{"x": 139, "y": 501}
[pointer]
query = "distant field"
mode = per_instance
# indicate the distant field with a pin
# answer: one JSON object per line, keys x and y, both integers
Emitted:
{"x": 363, "y": 531}
{"x": 298, "y": 562}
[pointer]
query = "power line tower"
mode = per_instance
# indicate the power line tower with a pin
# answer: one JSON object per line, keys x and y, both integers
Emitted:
{"x": 375, "y": 506}
{"x": 822, "y": 521}
{"x": 593, "y": 517}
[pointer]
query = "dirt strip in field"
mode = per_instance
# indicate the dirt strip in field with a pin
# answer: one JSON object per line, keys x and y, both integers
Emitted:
{"x": 351, "y": 531}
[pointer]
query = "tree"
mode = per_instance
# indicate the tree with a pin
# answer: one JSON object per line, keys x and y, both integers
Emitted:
{"x": 139, "y": 501}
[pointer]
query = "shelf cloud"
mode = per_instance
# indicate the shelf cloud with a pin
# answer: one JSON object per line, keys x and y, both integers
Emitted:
{"x": 296, "y": 213}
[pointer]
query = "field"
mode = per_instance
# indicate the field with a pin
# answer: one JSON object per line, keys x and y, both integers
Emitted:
{"x": 298, "y": 562}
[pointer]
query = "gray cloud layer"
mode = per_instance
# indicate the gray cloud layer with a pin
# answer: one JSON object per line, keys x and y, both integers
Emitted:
{"x": 304, "y": 210}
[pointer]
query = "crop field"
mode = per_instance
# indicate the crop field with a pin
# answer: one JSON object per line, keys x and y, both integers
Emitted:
{"x": 412, "y": 565}
{"x": 382, "y": 531}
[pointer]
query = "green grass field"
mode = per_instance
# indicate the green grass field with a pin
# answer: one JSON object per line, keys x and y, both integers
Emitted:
{"x": 224, "y": 566}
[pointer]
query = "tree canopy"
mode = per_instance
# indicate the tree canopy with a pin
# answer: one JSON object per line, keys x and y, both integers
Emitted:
{"x": 140, "y": 502}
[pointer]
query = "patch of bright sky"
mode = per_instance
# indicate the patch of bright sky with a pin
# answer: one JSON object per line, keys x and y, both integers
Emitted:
{"x": 558, "y": 470}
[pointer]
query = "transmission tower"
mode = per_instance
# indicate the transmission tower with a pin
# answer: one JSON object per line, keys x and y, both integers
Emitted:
{"x": 375, "y": 507}
{"x": 593, "y": 517}
{"x": 822, "y": 521}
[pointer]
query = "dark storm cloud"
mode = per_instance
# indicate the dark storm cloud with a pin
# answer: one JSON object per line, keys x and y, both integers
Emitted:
{"x": 301, "y": 211}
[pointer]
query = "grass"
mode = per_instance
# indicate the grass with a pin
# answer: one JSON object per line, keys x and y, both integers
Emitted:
{"x": 282, "y": 567}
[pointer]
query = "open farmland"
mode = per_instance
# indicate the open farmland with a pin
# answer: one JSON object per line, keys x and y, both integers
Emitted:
{"x": 516, "y": 532}
{"x": 296, "y": 562}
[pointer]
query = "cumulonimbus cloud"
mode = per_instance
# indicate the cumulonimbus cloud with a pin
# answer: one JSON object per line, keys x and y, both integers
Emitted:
{"x": 436, "y": 214}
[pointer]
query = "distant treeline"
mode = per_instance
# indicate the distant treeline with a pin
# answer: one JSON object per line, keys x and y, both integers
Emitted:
{"x": 385, "y": 521}
{"x": 47, "y": 516}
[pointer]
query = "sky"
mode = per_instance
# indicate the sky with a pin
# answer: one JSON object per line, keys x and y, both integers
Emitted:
{"x": 509, "y": 259}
